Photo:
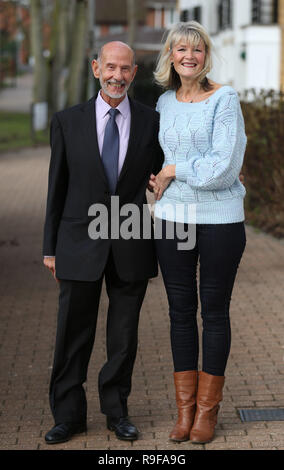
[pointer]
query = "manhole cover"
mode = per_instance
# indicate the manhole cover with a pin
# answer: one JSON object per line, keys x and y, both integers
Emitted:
{"x": 276, "y": 414}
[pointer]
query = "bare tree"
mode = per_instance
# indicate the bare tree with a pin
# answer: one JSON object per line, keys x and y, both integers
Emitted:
{"x": 132, "y": 21}
{"x": 91, "y": 46}
{"x": 64, "y": 81}
{"x": 40, "y": 80}
{"x": 59, "y": 53}
{"x": 78, "y": 56}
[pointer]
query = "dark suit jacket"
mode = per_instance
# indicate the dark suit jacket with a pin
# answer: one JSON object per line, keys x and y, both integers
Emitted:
{"x": 77, "y": 180}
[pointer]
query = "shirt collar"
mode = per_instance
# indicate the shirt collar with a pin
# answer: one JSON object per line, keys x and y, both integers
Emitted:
{"x": 103, "y": 107}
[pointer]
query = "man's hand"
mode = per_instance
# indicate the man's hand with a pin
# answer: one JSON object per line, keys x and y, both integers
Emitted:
{"x": 159, "y": 183}
{"x": 162, "y": 180}
{"x": 49, "y": 262}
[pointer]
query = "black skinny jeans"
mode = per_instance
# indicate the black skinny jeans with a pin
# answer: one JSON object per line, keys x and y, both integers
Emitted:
{"x": 218, "y": 249}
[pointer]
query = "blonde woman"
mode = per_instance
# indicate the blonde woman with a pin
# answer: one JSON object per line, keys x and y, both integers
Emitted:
{"x": 203, "y": 138}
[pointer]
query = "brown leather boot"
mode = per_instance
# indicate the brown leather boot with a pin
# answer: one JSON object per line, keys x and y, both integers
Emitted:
{"x": 209, "y": 395}
{"x": 186, "y": 389}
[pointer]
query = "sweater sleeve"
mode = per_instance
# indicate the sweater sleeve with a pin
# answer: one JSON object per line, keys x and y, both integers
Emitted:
{"x": 220, "y": 167}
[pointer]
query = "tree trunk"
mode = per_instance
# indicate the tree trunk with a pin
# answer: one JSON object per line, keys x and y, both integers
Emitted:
{"x": 59, "y": 54}
{"x": 78, "y": 54}
{"x": 132, "y": 24}
{"x": 40, "y": 69}
{"x": 132, "y": 20}
{"x": 91, "y": 47}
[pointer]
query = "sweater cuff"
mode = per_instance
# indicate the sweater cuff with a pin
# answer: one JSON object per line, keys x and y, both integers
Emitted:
{"x": 181, "y": 171}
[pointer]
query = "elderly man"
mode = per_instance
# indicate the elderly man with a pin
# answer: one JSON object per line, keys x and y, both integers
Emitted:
{"x": 103, "y": 148}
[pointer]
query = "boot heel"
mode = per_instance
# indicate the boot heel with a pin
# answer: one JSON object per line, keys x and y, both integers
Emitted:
{"x": 209, "y": 395}
{"x": 186, "y": 390}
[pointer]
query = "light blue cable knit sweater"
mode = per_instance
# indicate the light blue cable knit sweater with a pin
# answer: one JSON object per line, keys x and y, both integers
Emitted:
{"x": 206, "y": 141}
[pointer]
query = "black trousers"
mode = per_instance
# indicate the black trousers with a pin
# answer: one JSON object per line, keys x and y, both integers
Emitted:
{"x": 76, "y": 328}
{"x": 218, "y": 249}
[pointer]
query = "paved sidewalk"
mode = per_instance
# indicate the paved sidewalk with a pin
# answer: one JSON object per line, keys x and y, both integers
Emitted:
{"x": 255, "y": 373}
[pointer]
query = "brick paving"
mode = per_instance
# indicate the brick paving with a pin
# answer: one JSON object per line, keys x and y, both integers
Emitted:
{"x": 254, "y": 376}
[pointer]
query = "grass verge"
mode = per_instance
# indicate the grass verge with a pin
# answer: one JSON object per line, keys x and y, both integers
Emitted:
{"x": 15, "y": 132}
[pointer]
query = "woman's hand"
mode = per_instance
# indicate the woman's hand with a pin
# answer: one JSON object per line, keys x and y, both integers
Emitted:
{"x": 162, "y": 180}
{"x": 151, "y": 183}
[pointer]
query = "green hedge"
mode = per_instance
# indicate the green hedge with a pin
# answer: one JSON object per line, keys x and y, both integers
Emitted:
{"x": 263, "y": 167}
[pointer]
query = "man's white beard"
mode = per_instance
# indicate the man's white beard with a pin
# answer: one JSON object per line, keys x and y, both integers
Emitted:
{"x": 112, "y": 95}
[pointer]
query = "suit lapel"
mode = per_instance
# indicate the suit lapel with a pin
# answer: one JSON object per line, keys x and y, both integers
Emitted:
{"x": 136, "y": 130}
{"x": 90, "y": 129}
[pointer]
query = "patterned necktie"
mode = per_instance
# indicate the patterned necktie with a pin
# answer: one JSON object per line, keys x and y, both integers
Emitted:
{"x": 110, "y": 150}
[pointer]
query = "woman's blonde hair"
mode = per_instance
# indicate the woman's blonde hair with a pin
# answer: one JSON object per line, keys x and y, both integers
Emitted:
{"x": 191, "y": 32}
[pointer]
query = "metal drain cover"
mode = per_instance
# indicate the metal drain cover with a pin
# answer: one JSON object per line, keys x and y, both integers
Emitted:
{"x": 266, "y": 414}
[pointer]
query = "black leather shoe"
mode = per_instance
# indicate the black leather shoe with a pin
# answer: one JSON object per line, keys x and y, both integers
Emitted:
{"x": 123, "y": 428}
{"x": 63, "y": 432}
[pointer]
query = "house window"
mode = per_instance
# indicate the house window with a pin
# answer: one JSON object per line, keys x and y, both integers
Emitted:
{"x": 197, "y": 14}
{"x": 255, "y": 13}
{"x": 116, "y": 29}
{"x": 184, "y": 16}
{"x": 158, "y": 18}
{"x": 191, "y": 14}
{"x": 264, "y": 11}
{"x": 225, "y": 14}
{"x": 170, "y": 17}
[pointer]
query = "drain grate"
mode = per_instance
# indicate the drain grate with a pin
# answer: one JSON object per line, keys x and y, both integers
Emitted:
{"x": 275, "y": 414}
